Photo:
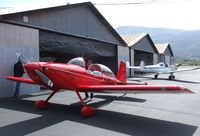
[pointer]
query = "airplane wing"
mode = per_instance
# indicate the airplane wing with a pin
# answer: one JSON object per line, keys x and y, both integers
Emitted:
{"x": 20, "y": 79}
{"x": 135, "y": 88}
{"x": 182, "y": 70}
{"x": 175, "y": 71}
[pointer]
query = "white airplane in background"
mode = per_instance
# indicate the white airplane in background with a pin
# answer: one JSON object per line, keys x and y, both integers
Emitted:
{"x": 160, "y": 68}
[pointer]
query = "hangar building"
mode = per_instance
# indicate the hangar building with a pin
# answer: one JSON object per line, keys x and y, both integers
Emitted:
{"x": 63, "y": 32}
{"x": 141, "y": 47}
{"x": 165, "y": 53}
{"x": 72, "y": 30}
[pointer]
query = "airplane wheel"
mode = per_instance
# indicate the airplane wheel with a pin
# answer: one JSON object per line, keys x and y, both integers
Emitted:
{"x": 87, "y": 111}
{"x": 171, "y": 77}
{"x": 41, "y": 104}
{"x": 155, "y": 76}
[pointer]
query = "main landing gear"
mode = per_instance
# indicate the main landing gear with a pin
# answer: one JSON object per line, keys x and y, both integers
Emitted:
{"x": 41, "y": 104}
{"x": 86, "y": 110}
{"x": 171, "y": 77}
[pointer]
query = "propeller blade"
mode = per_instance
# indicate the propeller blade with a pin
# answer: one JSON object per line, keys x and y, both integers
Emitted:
{"x": 44, "y": 78}
{"x": 22, "y": 58}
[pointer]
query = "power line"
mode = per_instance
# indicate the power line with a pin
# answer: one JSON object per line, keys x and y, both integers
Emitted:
{"x": 131, "y": 3}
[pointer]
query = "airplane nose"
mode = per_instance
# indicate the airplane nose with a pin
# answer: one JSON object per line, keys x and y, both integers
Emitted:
{"x": 30, "y": 66}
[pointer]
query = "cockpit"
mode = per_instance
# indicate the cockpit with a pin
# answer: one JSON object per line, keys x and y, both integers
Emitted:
{"x": 163, "y": 64}
{"x": 99, "y": 70}
{"x": 94, "y": 69}
{"x": 77, "y": 61}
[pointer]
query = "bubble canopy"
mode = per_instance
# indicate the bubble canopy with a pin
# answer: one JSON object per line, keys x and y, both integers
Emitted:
{"x": 77, "y": 61}
{"x": 95, "y": 69}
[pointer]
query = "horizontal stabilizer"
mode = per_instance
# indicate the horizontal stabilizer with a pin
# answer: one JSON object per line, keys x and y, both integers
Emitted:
{"x": 20, "y": 79}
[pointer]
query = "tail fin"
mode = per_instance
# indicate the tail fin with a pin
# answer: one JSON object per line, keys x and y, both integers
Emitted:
{"x": 121, "y": 75}
{"x": 142, "y": 65}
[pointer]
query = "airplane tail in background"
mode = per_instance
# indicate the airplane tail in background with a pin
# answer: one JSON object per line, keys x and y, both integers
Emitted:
{"x": 121, "y": 75}
{"x": 142, "y": 65}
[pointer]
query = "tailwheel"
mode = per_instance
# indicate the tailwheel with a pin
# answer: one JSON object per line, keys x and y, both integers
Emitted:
{"x": 41, "y": 104}
{"x": 88, "y": 111}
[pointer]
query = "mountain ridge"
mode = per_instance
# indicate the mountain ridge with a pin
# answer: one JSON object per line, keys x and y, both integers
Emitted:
{"x": 185, "y": 44}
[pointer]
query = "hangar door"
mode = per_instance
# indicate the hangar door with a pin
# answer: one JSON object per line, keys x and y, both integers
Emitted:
{"x": 65, "y": 47}
{"x": 141, "y": 55}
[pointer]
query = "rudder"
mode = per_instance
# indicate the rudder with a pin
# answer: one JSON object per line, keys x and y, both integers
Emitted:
{"x": 121, "y": 75}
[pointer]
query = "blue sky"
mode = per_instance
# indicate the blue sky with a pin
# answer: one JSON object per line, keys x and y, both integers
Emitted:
{"x": 175, "y": 14}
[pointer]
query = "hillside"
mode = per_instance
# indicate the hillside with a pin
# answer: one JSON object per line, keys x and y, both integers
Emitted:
{"x": 185, "y": 43}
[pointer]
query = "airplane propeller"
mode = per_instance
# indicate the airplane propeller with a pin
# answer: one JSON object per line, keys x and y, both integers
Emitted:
{"x": 21, "y": 58}
{"x": 44, "y": 78}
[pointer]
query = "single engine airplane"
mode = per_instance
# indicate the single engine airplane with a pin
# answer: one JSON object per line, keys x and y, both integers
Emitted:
{"x": 97, "y": 78}
{"x": 160, "y": 68}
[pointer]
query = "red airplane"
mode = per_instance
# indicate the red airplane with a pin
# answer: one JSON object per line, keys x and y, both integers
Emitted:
{"x": 97, "y": 78}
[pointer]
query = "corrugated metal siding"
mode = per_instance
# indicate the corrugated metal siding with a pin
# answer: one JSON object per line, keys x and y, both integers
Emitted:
{"x": 139, "y": 42}
{"x": 15, "y": 39}
{"x": 144, "y": 45}
{"x": 79, "y": 21}
{"x": 132, "y": 39}
{"x": 161, "y": 47}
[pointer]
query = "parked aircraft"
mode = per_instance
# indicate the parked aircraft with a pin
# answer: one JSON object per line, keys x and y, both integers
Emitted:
{"x": 73, "y": 76}
{"x": 160, "y": 68}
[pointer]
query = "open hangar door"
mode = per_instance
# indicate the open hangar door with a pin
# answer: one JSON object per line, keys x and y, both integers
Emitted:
{"x": 64, "y": 47}
{"x": 141, "y": 55}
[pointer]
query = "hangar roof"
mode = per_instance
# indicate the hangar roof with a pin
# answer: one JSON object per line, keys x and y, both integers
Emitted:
{"x": 162, "y": 48}
{"x": 133, "y": 39}
{"x": 68, "y": 6}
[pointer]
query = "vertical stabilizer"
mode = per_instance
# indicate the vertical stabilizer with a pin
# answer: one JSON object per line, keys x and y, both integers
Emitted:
{"x": 121, "y": 75}
{"x": 142, "y": 65}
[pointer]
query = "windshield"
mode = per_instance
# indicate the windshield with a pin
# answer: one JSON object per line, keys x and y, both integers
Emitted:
{"x": 99, "y": 69}
{"x": 77, "y": 61}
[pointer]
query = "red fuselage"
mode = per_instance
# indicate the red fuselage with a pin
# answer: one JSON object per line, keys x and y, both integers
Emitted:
{"x": 66, "y": 76}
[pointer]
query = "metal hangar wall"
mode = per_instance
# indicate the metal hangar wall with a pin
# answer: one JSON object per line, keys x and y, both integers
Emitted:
{"x": 141, "y": 47}
{"x": 15, "y": 39}
{"x": 72, "y": 30}
{"x": 165, "y": 53}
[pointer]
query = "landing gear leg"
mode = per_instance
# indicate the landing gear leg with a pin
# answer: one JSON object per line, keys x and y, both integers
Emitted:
{"x": 86, "y": 95}
{"x": 86, "y": 110}
{"x": 41, "y": 104}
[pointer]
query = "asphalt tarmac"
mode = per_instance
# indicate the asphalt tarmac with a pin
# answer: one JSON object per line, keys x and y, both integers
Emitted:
{"x": 137, "y": 115}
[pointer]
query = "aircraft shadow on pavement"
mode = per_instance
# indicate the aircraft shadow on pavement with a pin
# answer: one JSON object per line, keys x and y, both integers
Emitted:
{"x": 109, "y": 120}
{"x": 165, "y": 79}
{"x": 110, "y": 99}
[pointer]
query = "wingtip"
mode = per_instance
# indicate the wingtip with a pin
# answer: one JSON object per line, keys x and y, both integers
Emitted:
{"x": 186, "y": 90}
